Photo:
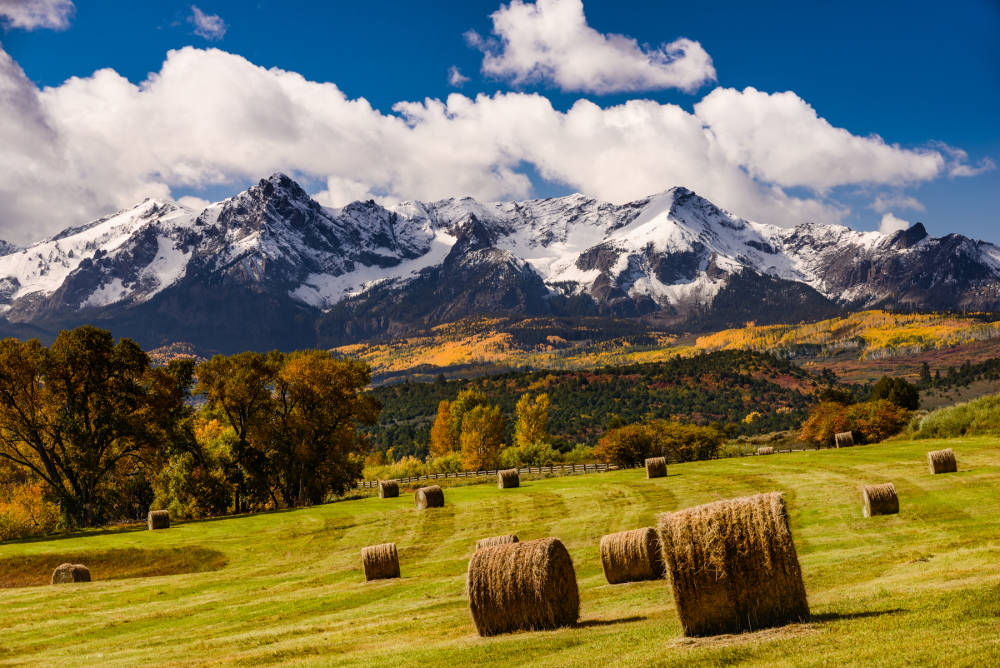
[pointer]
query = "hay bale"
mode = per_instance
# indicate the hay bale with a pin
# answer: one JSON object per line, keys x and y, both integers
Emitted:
{"x": 70, "y": 573}
{"x": 495, "y": 540}
{"x": 158, "y": 519}
{"x": 765, "y": 450}
{"x": 880, "y": 500}
{"x": 388, "y": 489}
{"x": 631, "y": 556}
{"x": 733, "y": 565}
{"x": 381, "y": 562}
{"x": 656, "y": 467}
{"x": 508, "y": 478}
{"x": 429, "y": 497}
{"x": 522, "y": 587}
{"x": 844, "y": 439}
{"x": 942, "y": 461}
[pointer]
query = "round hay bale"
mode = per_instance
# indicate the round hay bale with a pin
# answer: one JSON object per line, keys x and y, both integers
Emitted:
{"x": 880, "y": 500}
{"x": 158, "y": 519}
{"x": 70, "y": 573}
{"x": 508, "y": 478}
{"x": 522, "y": 587}
{"x": 656, "y": 467}
{"x": 942, "y": 461}
{"x": 733, "y": 565}
{"x": 388, "y": 489}
{"x": 496, "y": 540}
{"x": 844, "y": 439}
{"x": 631, "y": 556}
{"x": 381, "y": 562}
{"x": 765, "y": 450}
{"x": 429, "y": 497}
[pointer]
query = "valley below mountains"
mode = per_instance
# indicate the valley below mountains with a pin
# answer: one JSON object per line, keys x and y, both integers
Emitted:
{"x": 272, "y": 268}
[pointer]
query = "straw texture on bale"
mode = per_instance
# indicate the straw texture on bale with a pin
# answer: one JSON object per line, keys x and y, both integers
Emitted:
{"x": 388, "y": 489}
{"x": 508, "y": 478}
{"x": 70, "y": 573}
{"x": 733, "y": 565}
{"x": 766, "y": 450}
{"x": 495, "y": 540}
{"x": 942, "y": 461}
{"x": 880, "y": 500}
{"x": 631, "y": 556}
{"x": 525, "y": 586}
{"x": 429, "y": 497}
{"x": 158, "y": 519}
{"x": 656, "y": 467}
{"x": 381, "y": 562}
{"x": 844, "y": 439}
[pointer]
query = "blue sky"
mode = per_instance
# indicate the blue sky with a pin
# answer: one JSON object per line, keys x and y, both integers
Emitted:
{"x": 920, "y": 75}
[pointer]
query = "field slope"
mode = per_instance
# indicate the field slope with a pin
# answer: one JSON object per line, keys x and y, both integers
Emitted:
{"x": 919, "y": 588}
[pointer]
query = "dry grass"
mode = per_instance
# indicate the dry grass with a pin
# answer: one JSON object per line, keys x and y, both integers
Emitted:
{"x": 844, "y": 439}
{"x": 766, "y": 450}
{"x": 656, "y": 467}
{"x": 880, "y": 500}
{"x": 158, "y": 519}
{"x": 631, "y": 556}
{"x": 733, "y": 565}
{"x": 522, "y": 587}
{"x": 942, "y": 461}
{"x": 70, "y": 573}
{"x": 429, "y": 497}
{"x": 388, "y": 489}
{"x": 495, "y": 540}
{"x": 508, "y": 478}
{"x": 380, "y": 562}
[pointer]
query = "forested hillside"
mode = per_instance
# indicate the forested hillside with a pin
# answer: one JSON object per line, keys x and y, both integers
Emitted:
{"x": 753, "y": 392}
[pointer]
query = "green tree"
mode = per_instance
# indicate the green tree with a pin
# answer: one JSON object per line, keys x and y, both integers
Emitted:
{"x": 85, "y": 415}
{"x": 898, "y": 391}
{"x": 463, "y": 403}
{"x": 532, "y": 424}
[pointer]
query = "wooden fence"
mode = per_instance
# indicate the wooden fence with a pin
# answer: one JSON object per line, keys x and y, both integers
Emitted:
{"x": 561, "y": 469}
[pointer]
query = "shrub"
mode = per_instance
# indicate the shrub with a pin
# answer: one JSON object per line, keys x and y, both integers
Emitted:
{"x": 870, "y": 421}
{"x": 687, "y": 442}
{"x": 627, "y": 446}
{"x": 532, "y": 454}
{"x": 974, "y": 418}
{"x": 24, "y": 511}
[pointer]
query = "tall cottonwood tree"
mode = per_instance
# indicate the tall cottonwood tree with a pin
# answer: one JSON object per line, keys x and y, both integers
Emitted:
{"x": 532, "y": 423}
{"x": 442, "y": 440}
{"x": 482, "y": 438}
{"x": 85, "y": 414}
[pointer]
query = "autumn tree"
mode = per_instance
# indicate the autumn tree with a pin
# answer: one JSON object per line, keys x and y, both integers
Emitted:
{"x": 532, "y": 423}
{"x": 627, "y": 446}
{"x": 442, "y": 440}
{"x": 84, "y": 415}
{"x": 482, "y": 437}
{"x": 463, "y": 403}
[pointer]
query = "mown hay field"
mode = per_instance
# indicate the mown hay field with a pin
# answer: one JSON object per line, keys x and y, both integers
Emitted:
{"x": 918, "y": 588}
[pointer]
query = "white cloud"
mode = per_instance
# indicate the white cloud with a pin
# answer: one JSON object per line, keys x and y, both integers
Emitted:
{"x": 92, "y": 145}
{"x": 890, "y": 224}
{"x": 209, "y": 26}
{"x": 456, "y": 78}
{"x": 550, "y": 42}
{"x": 886, "y": 201}
{"x": 31, "y": 14}
{"x": 194, "y": 203}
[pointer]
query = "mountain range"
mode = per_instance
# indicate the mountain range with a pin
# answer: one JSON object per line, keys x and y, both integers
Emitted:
{"x": 272, "y": 268}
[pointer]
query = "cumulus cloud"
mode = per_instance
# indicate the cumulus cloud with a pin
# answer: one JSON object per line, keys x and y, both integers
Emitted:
{"x": 207, "y": 118}
{"x": 886, "y": 201}
{"x": 32, "y": 14}
{"x": 209, "y": 26}
{"x": 550, "y": 42}
{"x": 891, "y": 224}
{"x": 456, "y": 78}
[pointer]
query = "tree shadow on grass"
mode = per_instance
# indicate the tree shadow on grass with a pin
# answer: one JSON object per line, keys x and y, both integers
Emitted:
{"x": 838, "y": 616}
{"x": 608, "y": 622}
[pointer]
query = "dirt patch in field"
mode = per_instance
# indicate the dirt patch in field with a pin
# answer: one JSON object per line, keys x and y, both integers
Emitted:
{"x": 764, "y": 635}
{"x": 36, "y": 569}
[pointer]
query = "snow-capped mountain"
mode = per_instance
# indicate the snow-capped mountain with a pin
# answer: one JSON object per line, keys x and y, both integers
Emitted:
{"x": 270, "y": 267}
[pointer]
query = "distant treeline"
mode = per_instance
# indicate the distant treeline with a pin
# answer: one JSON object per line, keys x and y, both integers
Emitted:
{"x": 722, "y": 388}
{"x": 961, "y": 376}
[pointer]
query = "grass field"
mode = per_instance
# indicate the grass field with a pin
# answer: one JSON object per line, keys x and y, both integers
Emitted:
{"x": 919, "y": 588}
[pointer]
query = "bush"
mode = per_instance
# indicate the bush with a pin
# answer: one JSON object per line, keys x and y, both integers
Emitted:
{"x": 974, "y": 418}
{"x": 531, "y": 454}
{"x": 450, "y": 463}
{"x": 627, "y": 446}
{"x": 24, "y": 511}
{"x": 687, "y": 442}
{"x": 870, "y": 422}
{"x": 581, "y": 454}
